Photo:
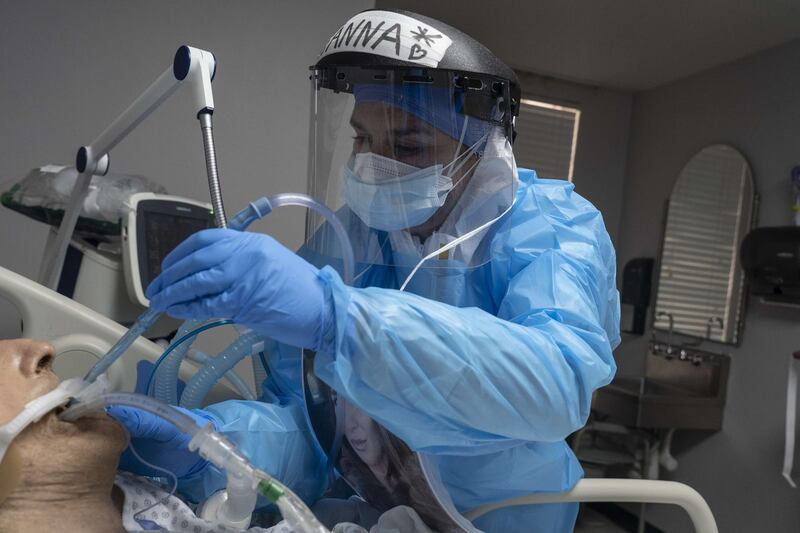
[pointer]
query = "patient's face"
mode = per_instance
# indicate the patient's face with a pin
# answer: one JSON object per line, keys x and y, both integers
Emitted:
{"x": 59, "y": 472}
{"x": 25, "y": 374}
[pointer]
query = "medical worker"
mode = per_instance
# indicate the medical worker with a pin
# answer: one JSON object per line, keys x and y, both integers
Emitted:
{"x": 484, "y": 308}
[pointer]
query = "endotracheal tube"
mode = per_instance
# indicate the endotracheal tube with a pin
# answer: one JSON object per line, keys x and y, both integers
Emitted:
{"x": 244, "y": 480}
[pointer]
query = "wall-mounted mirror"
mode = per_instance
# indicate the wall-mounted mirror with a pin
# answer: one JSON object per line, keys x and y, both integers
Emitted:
{"x": 700, "y": 283}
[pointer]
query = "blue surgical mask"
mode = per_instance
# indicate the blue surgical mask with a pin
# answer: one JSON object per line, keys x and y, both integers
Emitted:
{"x": 389, "y": 195}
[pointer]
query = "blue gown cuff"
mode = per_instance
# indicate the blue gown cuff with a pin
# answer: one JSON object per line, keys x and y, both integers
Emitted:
{"x": 337, "y": 298}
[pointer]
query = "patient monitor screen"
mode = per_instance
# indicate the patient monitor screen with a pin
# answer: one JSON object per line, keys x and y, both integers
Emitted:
{"x": 161, "y": 225}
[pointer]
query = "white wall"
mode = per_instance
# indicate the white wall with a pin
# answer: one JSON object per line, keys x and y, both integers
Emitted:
{"x": 68, "y": 68}
{"x": 753, "y": 105}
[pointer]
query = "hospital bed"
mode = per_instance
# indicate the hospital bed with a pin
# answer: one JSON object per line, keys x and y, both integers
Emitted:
{"x": 82, "y": 336}
{"x": 621, "y": 490}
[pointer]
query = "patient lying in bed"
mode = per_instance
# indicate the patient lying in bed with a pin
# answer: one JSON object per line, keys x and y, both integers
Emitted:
{"x": 68, "y": 471}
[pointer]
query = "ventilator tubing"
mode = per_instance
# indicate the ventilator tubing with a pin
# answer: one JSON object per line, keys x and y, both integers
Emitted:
{"x": 166, "y": 374}
{"x": 243, "y": 478}
{"x": 233, "y": 378}
{"x": 216, "y": 367}
{"x": 348, "y": 259}
{"x": 149, "y": 316}
{"x": 166, "y": 378}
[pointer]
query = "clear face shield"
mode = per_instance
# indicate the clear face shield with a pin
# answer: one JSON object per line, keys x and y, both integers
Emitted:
{"x": 413, "y": 161}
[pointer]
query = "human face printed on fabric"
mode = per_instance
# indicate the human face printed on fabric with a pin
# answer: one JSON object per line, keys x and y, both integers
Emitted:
{"x": 363, "y": 435}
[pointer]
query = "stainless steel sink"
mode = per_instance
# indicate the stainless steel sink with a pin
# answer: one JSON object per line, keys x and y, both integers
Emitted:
{"x": 682, "y": 390}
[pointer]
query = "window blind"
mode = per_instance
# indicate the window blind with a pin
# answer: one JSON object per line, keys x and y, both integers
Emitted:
{"x": 547, "y": 136}
{"x": 702, "y": 236}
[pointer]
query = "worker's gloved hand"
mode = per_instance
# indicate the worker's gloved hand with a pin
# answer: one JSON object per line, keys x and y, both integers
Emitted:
{"x": 158, "y": 442}
{"x": 247, "y": 277}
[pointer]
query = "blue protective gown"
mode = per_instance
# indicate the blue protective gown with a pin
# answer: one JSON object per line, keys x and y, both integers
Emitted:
{"x": 488, "y": 380}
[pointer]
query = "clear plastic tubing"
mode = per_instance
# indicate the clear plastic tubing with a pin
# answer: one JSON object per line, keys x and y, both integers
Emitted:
{"x": 165, "y": 380}
{"x": 141, "y": 325}
{"x": 292, "y": 508}
{"x": 241, "y": 221}
{"x": 148, "y": 318}
{"x": 260, "y": 364}
{"x": 173, "y": 416}
{"x": 202, "y": 382}
{"x": 55, "y": 255}
{"x": 200, "y": 358}
{"x": 308, "y": 202}
{"x": 216, "y": 367}
{"x": 166, "y": 376}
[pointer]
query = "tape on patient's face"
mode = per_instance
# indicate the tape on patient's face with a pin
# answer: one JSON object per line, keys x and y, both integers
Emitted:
{"x": 38, "y": 407}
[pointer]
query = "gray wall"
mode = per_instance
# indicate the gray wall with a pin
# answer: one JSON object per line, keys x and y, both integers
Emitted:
{"x": 68, "y": 68}
{"x": 602, "y": 139}
{"x": 753, "y": 105}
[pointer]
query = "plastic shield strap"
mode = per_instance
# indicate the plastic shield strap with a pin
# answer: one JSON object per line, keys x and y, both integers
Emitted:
{"x": 791, "y": 420}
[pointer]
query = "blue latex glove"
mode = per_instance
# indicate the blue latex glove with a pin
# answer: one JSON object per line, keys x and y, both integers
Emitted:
{"x": 247, "y": 277}
{"x": 158, "y": 442}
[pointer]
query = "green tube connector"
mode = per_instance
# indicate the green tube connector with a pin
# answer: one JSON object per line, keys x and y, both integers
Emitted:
{"x": 269, "y": 490}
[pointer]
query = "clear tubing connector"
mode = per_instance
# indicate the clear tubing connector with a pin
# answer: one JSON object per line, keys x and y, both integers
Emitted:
{"x": 243, "y": 478}
{"x": 292, "y": 508}
{"x": 142, "y": 324}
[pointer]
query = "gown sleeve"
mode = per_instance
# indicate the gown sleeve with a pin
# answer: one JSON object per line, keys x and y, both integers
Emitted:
{"x": 461, "y": 380}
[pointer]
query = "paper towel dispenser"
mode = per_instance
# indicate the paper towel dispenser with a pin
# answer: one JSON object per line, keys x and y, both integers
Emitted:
{"x": 771, "y": 260}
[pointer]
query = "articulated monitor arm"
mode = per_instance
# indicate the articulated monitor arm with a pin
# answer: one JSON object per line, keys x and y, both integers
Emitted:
{"x": 190, "y": 66}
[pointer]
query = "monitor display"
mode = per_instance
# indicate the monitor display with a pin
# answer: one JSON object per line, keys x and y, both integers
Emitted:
{"x": 161, "y": 226}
